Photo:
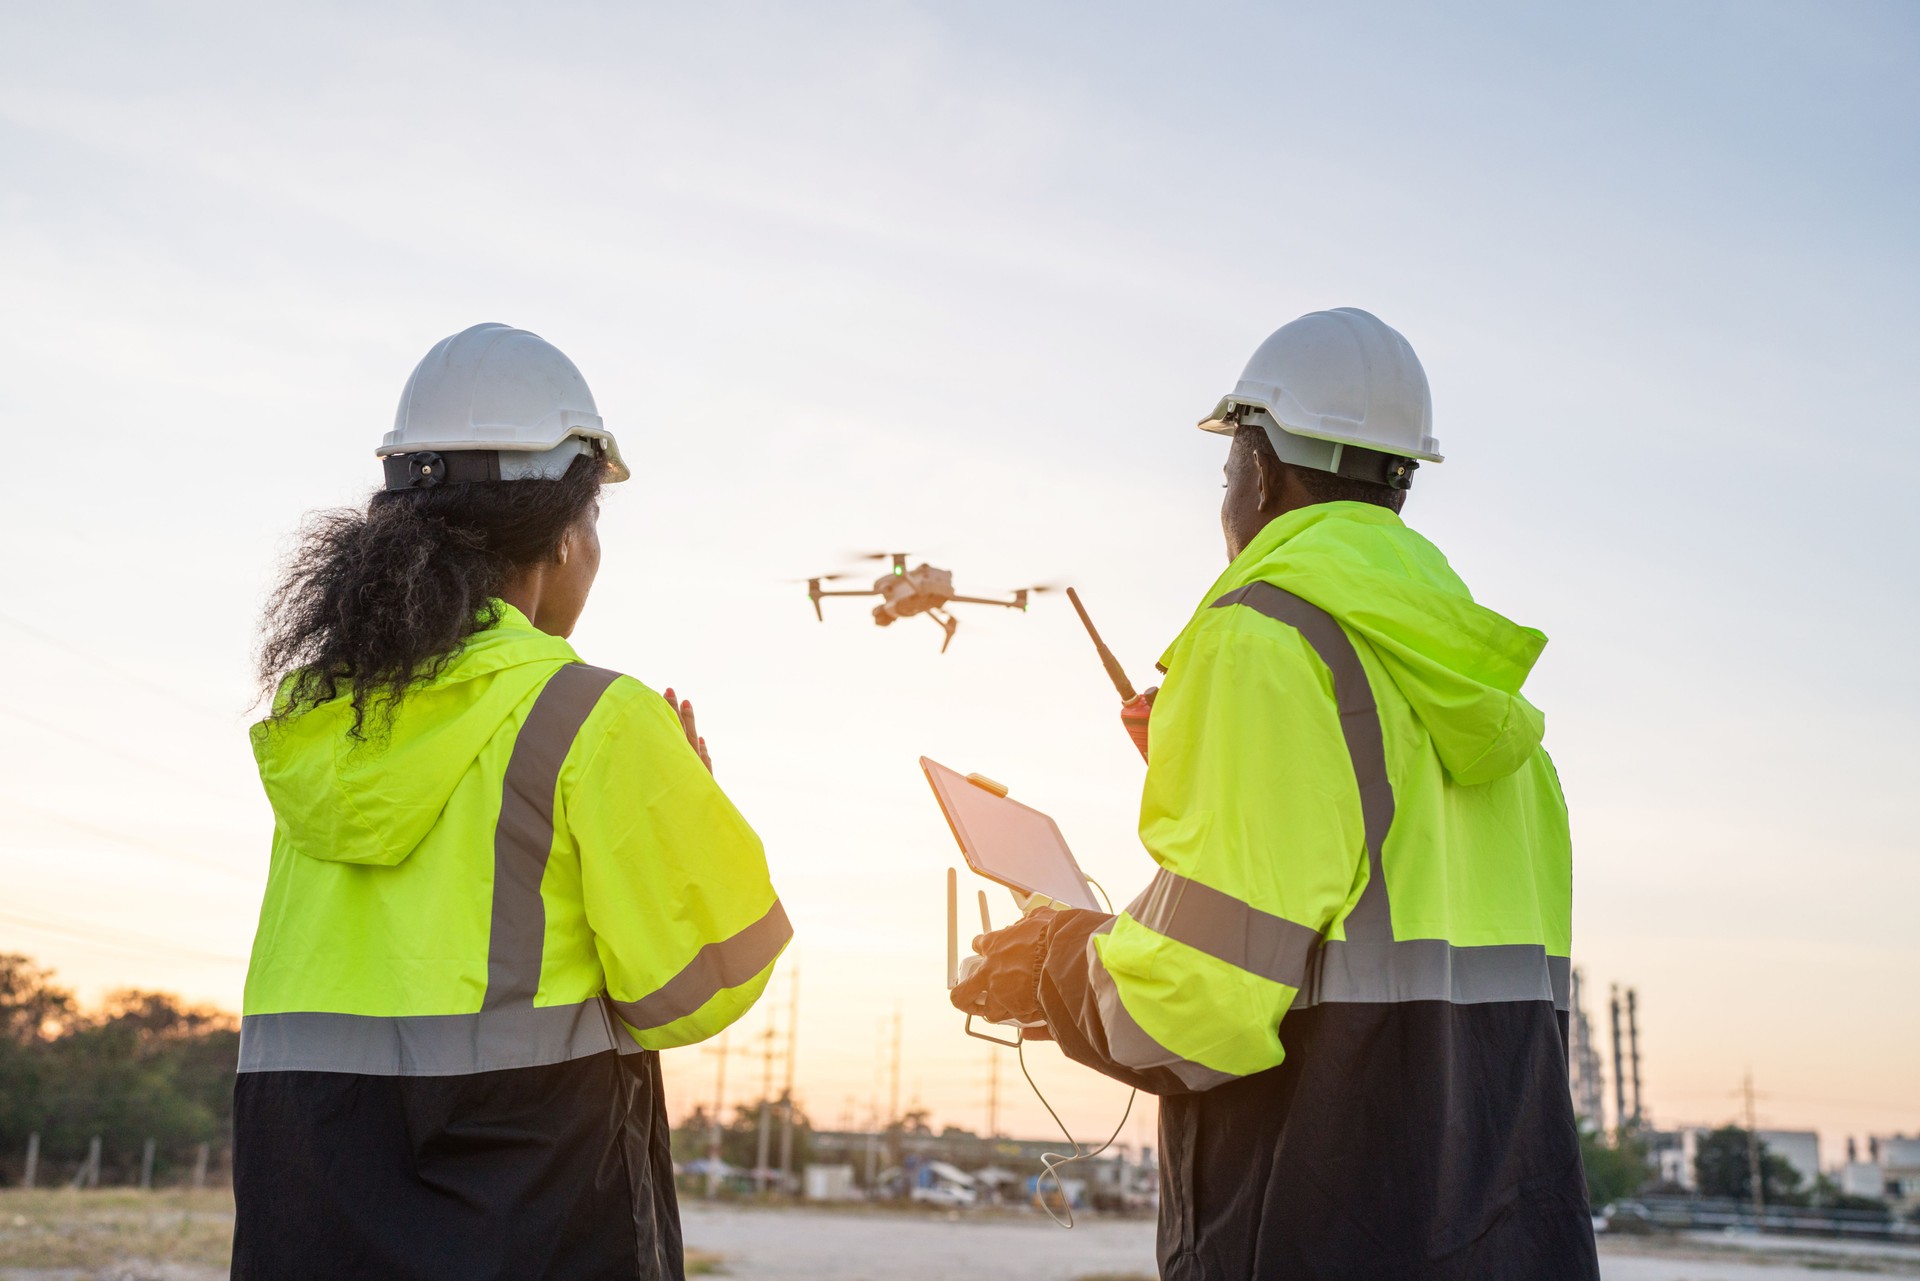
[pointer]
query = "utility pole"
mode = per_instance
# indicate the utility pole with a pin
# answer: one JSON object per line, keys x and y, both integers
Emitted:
{"x": 33, "y": 1160}
{"x": 760, "y": 1171}
{"x": 893, "y": 1098}
{"x": 1754, "y": 1174}
{"x": 873, "y": 1102}
{"x": 146, "y": 1167}
{"x": 1619, "y": 1076}
{"x": 200, "y": 1166}
{"x": 993, "y": 1094}
{"x": 715, "y": 1124}
{"x": 1633, "y": 1046}
{"x": 786, "y": 1102}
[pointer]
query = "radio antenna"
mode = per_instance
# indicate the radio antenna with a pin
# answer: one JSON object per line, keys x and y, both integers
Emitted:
{"x": 1115, "y": 673}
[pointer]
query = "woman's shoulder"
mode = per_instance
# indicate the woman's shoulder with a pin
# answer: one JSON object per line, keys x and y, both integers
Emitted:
{"x": 622, "y": 701}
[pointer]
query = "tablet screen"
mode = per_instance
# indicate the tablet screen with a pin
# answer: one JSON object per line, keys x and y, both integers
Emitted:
{"x": 1008, "y": 842}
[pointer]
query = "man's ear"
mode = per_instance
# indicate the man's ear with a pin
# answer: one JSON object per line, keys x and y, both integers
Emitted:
{"x": 1270, "y": 474}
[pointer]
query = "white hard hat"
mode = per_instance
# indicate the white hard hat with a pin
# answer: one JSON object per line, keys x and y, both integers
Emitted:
{"x": 1329, "y": 381}
{"x": 494, "y": 403}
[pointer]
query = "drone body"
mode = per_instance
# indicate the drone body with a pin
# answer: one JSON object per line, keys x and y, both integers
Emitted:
{"x": 905, "y": 592}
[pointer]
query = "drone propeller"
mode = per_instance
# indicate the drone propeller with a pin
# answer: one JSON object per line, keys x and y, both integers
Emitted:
{"x": 818, "y": 578}
{"x": 878, "y": 555}
{"x": 1037, "y": 588}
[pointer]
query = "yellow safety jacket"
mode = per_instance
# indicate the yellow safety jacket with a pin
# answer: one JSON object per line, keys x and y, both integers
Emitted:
{"x": 1348, "y": 977}
{"x": 529, "y": 866}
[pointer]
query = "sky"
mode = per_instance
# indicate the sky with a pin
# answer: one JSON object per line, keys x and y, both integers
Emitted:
{"x": 960, "y": 280}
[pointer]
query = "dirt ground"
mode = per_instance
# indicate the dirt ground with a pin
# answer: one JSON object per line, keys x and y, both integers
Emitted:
{"x": 121, "y": 1235}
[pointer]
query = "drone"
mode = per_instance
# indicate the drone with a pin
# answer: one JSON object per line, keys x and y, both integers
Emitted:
{"x": 905, "y": 592}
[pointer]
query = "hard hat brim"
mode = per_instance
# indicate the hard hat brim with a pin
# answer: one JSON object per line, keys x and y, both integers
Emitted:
{"x": 1319, "y": 429}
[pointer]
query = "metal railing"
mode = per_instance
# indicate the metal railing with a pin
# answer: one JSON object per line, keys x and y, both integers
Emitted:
{"x": 1711, "y": 1214}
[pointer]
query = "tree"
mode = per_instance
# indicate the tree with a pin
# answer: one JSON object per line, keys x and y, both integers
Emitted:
{"x": 32, "y": 1010}
{"x": 1723, "y": 1167}
{"x": 143, "y": 1066}
{"x": 1614, "y": 1171}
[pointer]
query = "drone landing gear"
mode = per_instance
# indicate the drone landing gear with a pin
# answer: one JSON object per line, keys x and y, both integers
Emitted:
{"x": 946, "y": 623}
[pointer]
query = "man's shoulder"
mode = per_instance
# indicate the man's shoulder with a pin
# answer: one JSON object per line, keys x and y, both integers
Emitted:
{"x": 1230, "y": 631}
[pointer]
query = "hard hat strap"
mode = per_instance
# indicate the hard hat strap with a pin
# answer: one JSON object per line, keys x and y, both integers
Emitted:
{"x": 426, "y": 468}
{"x": 1358, "y": 463}
{"x": 1355, "y": 462}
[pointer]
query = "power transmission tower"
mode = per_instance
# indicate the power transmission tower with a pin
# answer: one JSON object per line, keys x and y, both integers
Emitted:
{"x": 1633, "y": 1045}
{"x": 1619, "y": 1075}
{"x": 715, "y": 1124}
{"x": 1584, "y": 1060}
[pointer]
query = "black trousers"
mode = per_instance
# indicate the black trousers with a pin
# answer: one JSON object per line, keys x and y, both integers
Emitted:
{"x": 1422, "y": 1141}
{"x": 562, "y": 1171}
{"x": 1413, "y": 1141}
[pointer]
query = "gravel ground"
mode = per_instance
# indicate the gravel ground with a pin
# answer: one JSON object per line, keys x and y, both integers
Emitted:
{"x": 883, "y": 1245}
{"x": 864, "y": 1245}
{"x": 130, "y": 1236}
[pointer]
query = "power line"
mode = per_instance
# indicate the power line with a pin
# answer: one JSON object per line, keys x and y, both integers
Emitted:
{"x": 67, "y": 647}
{"x": 119, "y": 940}
{"x": 127, "y": 838}
{"x": 54, "y": 727}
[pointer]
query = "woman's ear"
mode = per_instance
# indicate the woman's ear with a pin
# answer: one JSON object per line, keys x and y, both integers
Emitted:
{"x": 566, "y": 548}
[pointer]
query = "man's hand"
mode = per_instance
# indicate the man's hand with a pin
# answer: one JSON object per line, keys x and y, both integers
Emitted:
{"x": 1004, "y": 986}
{"x": 1133, "y": 717}
{"x": 684, "y": 709}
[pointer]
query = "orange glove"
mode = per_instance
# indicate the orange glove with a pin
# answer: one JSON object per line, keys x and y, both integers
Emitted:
{"x": 1133, "y": 718}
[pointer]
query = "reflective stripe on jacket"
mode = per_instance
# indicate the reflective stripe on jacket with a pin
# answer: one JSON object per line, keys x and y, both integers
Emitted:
{"x": 528, "y": 865}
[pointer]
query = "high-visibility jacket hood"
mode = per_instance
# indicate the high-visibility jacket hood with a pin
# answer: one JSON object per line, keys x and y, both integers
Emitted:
{"x": 372, "y": 801}
{"x": 1458, "y": 663}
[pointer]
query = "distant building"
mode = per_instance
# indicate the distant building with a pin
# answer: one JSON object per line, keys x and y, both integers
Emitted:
{"x": 1670, "y": 1153}
{"x": 1898, "y": 1159}
{"x": 1800, "y": 1148}
{"x": 1862, "y": 1178}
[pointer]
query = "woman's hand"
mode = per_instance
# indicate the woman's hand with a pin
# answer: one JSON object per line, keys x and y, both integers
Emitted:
{"x": 684, "y": 709}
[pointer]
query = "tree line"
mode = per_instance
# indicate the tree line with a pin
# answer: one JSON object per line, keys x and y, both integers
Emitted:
{"x": 139, "y": 1066}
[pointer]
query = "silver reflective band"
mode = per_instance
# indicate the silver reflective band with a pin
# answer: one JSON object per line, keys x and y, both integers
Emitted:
{"x": 1225, "y": 928}
{"x": 1370, "y": 965}
{"x": 1359, "y": 726}
{"x": 425, "y": 1044}
{"x": 508, "y": 1031}
{"x": 1435, "y": 970}
{"x": 1128, "y": 1043}
{"x": 523, "y": 837}
{"x": 714, "y": 968}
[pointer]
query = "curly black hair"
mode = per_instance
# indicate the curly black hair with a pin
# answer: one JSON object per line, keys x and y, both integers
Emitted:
{"x": 372, "y": 602}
